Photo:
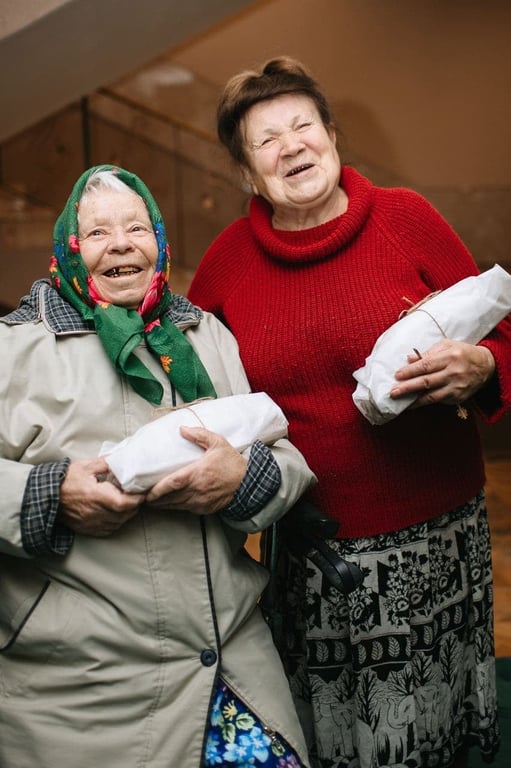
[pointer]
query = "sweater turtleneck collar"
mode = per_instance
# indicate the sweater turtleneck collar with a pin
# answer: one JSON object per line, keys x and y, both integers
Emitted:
{"x": 318, "y": 242}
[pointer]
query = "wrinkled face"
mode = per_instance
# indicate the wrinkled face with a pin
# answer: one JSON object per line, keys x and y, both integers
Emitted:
{"x": 291, "y": 156}
{"x": 118, "y": 245}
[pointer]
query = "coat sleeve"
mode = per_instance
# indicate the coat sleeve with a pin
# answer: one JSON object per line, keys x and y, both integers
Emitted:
{"x": 13, "y": 439}
{"x": 13, "y": 479}
{"x": 296, "y": 478}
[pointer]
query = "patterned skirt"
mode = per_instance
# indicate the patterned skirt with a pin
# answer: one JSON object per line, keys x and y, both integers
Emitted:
{"x": 401, "y": 672}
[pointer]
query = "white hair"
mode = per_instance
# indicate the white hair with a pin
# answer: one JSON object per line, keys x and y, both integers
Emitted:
{"x": 101, "y": 179}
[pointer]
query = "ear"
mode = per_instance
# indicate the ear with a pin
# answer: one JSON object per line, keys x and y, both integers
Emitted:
{"x": 247, "y": 178}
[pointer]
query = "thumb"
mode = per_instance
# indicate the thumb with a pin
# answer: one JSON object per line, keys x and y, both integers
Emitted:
{"x": 201, "y": 437}
{"x": 97, "y": 466}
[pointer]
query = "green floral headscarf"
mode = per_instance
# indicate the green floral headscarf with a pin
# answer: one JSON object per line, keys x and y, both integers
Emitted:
{"x": 121, "y": 330}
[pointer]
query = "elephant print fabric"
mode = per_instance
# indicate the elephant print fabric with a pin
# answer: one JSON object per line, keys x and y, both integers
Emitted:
{"x": 400, "y": 672}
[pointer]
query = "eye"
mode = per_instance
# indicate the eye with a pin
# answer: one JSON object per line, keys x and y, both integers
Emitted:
{"x": 264, "y": 143}
{"x": 304, "y": 126}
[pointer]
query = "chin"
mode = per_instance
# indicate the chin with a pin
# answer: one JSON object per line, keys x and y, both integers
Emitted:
{"x": 128, "y": 302}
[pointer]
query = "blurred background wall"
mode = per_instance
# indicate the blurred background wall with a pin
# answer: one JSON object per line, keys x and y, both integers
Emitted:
{"x": 420, "y": 91}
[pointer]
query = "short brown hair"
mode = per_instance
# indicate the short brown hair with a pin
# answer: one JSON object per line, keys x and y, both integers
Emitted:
{"x": 276, "y": 77}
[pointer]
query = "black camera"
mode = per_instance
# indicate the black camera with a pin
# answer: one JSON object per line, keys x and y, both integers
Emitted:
{"x": 305, "y": 531}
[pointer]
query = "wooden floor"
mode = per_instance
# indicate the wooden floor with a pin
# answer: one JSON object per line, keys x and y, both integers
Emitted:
{"x": 498, "y": 493}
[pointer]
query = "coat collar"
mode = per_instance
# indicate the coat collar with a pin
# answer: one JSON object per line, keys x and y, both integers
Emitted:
{"x": 44, "y": 304}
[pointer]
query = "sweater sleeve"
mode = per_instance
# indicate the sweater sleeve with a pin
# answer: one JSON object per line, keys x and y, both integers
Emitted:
{"x": 424, "y": 237}
{"x": 220, "y": 269}
{"x": 493, "y": 402}
{"x": 427, "y": 239}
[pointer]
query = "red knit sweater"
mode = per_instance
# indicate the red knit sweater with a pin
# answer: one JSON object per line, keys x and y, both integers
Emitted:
{"x": 306, "y": 308}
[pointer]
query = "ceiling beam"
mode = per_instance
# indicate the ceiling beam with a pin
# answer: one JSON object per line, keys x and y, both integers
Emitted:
{"x": 78, "y": 47}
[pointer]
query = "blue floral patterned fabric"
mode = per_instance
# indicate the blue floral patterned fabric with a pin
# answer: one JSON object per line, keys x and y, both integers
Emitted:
{"x": 237, "y": 739}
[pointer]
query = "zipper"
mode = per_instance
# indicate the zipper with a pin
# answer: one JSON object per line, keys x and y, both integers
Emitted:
{"x": 270, "y": 733}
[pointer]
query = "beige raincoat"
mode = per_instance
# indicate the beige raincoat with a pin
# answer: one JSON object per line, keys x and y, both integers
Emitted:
{"x": 109, "y": 654}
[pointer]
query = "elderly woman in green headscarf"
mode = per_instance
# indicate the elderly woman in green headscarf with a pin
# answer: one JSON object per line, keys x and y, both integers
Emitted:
{"x": 129, "y": 625}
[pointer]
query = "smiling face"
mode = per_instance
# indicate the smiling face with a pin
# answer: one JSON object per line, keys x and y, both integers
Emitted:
{"x": 292, "y": 161}
{"x": 117, "y": 245}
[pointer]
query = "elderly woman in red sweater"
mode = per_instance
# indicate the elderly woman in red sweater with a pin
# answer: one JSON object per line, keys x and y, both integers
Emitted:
{"x": 401, "y": 670}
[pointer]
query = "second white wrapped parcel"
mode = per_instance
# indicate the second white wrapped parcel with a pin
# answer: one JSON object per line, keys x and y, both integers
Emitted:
{"x": 466, "y": 311}
{"x": 157, "y": 449}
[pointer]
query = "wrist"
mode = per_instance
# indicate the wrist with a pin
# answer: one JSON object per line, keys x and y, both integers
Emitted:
{"x": 488, "y": 362}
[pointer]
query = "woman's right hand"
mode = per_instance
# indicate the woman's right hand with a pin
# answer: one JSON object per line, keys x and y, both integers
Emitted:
{"x": 91, "y": 507}
{"x": 206, "y": 485}
{"x": 449, "y": 372}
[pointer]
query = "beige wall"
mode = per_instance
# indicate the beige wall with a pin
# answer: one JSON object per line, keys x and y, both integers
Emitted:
{"x": 15, "y": 14}
{"x": 63, "y": 50}
{"x": 420, "y": 88}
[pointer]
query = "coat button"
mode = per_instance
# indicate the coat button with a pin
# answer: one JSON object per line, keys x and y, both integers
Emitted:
{"x": 208, "y": 657}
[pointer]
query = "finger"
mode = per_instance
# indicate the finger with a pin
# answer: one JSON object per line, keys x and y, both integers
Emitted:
{"x": 412, "y": 358}
{"x": 98, "y": 465}
{"x": 417, "y": 385}
{"x": 116, "y": 501}
{"x": 166, "y": 485}
{"x": 202, "y": 437}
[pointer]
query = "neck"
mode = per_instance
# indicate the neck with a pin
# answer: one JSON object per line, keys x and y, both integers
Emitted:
{"x": 297, "y": 219}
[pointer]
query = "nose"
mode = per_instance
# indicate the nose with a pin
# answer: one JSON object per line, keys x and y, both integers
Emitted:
{"x": 291, "y": 143}
{"x": 119, "y": 240}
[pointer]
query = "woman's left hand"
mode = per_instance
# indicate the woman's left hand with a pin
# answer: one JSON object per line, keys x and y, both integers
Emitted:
{"x": 206, "y": 485}
{"x": 450, "y": 372}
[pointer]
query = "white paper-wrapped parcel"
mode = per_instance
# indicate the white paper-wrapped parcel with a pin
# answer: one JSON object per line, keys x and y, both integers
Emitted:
{"x": 466, "y": 311}
{"x": 157, "y": 449}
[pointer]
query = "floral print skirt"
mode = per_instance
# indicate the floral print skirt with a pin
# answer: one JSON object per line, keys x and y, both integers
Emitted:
{"x": 237, "y": 739}
{"x": 401, "y": 672}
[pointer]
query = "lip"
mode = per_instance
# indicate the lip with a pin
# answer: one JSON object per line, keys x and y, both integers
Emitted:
{"x": 298, "y": 170}
{"x": 125, "y": 270}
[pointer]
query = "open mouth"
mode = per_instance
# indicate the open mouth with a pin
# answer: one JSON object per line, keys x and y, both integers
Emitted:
{"x": 121, "y": 271}
{"x": 298, "y": 169}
